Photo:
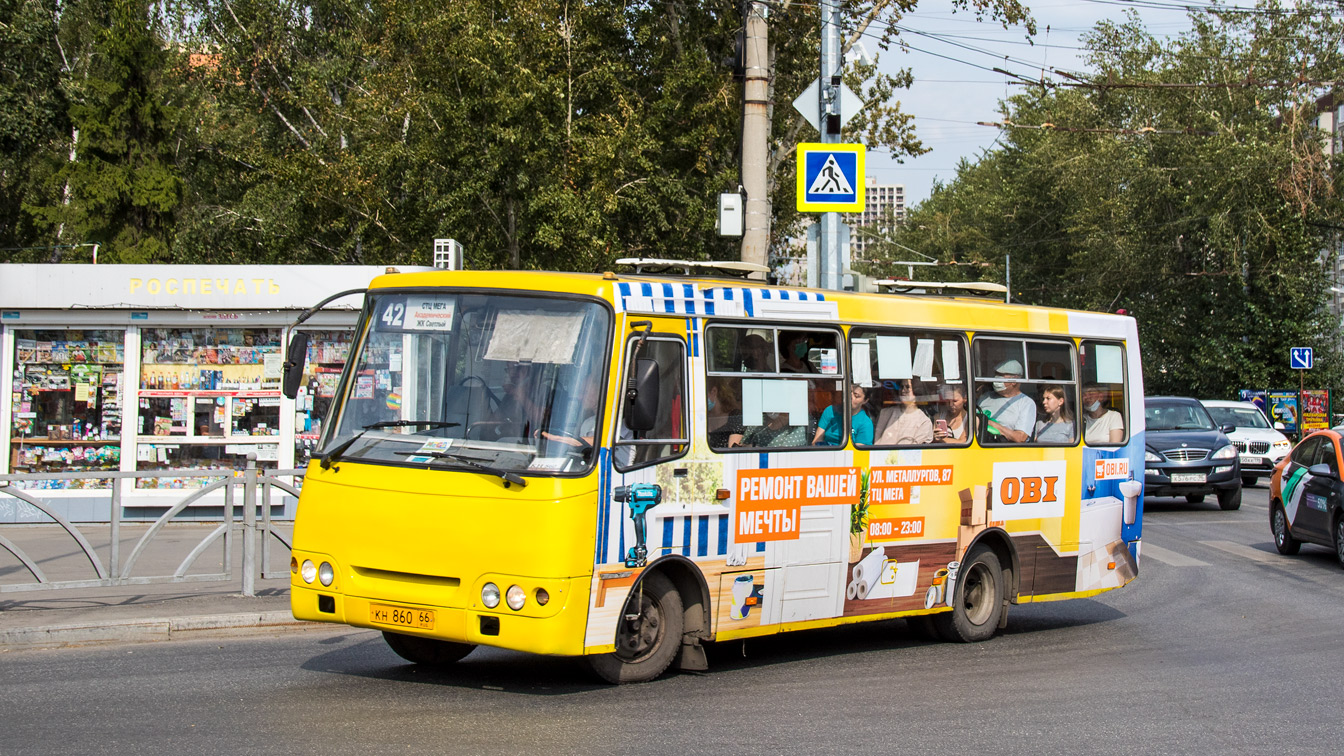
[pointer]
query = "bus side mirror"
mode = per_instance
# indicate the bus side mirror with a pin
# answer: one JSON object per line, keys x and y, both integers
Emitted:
{"x": 294, "y": 359}
{"x": 641, "y": 402}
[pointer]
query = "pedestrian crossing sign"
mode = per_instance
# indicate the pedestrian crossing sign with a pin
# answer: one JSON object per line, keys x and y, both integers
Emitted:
{"x": 830, "y": 178}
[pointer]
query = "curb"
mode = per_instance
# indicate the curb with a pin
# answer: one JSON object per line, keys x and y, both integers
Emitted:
{"x": 140, "y": 631}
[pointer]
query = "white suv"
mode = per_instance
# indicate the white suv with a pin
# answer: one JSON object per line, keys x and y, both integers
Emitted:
{"x": 1260, "y": 445}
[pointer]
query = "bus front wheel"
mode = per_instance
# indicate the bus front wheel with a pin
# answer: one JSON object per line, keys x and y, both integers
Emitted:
{"x": 978, "y": 605}
{"x": 426, "y": 651}
{"x": 648, "y": 635}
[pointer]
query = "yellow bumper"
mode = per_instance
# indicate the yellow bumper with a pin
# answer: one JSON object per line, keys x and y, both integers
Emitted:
{"x": 560, "y": 634}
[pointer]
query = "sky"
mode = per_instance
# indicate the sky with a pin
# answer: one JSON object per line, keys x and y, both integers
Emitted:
{"x": 950, "y": 96}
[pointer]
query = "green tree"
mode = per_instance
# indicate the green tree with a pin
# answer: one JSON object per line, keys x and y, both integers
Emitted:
{"x": 33, "y": 123}
{"x": 123, "y": 184}
{"x": 541, "y": 133}
{"x": 1206, "y": 211}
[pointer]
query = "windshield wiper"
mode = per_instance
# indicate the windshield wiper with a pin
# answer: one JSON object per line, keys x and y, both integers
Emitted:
{"x": 335, "y": 454}
{"x": 505, "y": 475}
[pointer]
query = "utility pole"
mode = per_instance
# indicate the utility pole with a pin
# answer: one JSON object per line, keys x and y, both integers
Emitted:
{"x": 756, "y": 134}
{"x": 830, "y": 266}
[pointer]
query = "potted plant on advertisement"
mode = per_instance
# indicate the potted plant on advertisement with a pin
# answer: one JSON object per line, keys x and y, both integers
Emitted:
{"x": 858, "y": 520}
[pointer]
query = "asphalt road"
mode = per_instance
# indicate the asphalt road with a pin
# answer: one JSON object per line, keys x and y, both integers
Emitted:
{"x": 1220, "y": 647}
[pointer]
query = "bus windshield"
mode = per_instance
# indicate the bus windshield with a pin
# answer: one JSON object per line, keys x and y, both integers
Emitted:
{"x": 454, "y": 380}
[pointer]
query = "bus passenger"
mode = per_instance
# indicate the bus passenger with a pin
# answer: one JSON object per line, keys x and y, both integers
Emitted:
{"x": 905, "y": 425}
{"x": 860, "y": 425}
{"x": 1009, "y": 414}
{"x": 776, "y": 432}
{"x": 1101, "y": 425}
{"x": 952, "y": 427}
{"x": 756, "y": 354}
{"x": 723, "y": 416}
{"x": 793, "y": 349}
{"x": 1057, "y": 427}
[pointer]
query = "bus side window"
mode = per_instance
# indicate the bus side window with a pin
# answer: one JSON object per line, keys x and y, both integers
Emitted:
{"x": 668, "y": 438}
{"x": 769, "y": 387}
{"x": 916, "y": 385}
{"x": 1104, "y": 394}
{"x": 1026, "y": 391}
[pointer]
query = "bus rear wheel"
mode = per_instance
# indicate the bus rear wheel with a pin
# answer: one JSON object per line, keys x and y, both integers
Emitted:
{"x": 648, "y": 634}
{"x": 978, "y": 605}
{"x": 427, "y": 651}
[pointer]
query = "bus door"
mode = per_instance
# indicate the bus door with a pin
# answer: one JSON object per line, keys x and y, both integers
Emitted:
{"x": 649, "y": 488}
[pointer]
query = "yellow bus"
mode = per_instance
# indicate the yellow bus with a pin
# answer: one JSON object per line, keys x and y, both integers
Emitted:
{"x": 627, "y": 467}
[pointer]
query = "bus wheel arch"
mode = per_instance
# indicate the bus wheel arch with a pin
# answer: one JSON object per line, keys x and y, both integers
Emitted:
{"x": 998, "y": 541}
{"x": 979, "y": 602}
{"x": 690, "y": 583}
{"x": 670, "y": 586}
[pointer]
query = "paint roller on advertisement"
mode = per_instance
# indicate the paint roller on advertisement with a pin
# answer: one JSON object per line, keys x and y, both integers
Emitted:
{"x": 876, "y": 576}
{"x": 865, "y": 573}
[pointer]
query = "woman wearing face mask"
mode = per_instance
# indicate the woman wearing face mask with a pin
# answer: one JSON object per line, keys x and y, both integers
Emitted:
{"x": 793, "y": 353}
{"x": 952, "y": 426}
{"x": 860, "y": 425}
{"x": 910, "y": 426}
{"x": 723, "y": 418}
{"x": 1057, "y": 427}
{"x": 1100, "y": 425}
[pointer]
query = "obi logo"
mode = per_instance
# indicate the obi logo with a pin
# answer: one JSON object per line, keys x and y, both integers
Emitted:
{"x": 1033, "y": 490}
{"x": 1029, "y": 490}
{"x": 1112, "y": 469}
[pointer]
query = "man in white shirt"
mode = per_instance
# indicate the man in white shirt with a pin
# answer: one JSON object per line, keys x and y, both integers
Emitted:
{"x": 1008, "y": 414}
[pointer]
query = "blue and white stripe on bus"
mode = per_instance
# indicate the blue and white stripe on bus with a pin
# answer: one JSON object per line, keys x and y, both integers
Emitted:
{"x": 689, "y": 299}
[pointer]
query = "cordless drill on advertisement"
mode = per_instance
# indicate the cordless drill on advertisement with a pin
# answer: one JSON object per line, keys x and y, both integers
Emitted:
{"x": 641, "y": 497}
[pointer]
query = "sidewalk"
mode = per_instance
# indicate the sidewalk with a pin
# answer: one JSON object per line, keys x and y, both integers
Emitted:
{"x": 47, "y": 618}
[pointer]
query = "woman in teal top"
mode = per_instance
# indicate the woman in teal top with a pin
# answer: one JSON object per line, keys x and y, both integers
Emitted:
{"x": 860, "y": 425}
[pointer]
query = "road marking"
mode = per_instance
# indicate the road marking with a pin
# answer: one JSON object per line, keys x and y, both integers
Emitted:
{"x": 1169, "y": 557}
{"x": 1212, "y": 522}
{"x": 1242, "y": 550}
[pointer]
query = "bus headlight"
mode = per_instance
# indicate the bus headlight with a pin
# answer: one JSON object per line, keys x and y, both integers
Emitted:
{"x": 490, "y": 595}
{"x": 516, "y": 597}
{"x": 308, "y": 571}
{"x": 326, "y": 574}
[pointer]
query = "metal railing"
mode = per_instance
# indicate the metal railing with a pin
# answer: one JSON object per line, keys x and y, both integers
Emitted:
{"x": 114, "y": 573}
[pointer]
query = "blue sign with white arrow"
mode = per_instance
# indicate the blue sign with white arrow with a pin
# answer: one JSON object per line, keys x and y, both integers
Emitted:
{"x": 1300, "y": 358}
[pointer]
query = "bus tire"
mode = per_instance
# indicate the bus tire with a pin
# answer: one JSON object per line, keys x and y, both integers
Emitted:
{"x": 978, "y": 605}
{"x": 647, "y": 644}
{"x": 427, "y": 651}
